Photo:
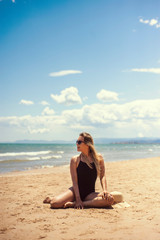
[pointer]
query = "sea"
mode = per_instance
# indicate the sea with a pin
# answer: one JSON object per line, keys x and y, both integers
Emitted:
{"x": 22, "y": 157}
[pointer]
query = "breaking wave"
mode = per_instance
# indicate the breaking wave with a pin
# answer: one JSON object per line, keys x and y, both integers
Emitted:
{"x": 29, "y": 156}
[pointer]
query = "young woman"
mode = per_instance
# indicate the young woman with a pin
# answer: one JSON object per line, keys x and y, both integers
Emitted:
{"x": 84, "y": 171}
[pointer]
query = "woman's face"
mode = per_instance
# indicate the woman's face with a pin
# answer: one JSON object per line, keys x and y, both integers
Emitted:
{"x": 81, "y": 146}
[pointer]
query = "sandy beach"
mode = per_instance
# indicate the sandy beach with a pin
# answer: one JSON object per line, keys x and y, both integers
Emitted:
{"x": 24, "y": 216}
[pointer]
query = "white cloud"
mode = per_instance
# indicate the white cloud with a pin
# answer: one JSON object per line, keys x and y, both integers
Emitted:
{"x": 140, "y": 135}
{"x": 107, "y": 96}
{"x": 68, "y": 96}
{"x": 44, "y": 103}
{"x": 64, "y": 73}
{"x": 158, "y": 25}
{"x": 104, "y": 114}
{"x": 82, "y": 127}
{"x": 152, "y": 22}
{"x": 144, "y": 21}
{"x": 32, "y": 122}
{"x": 38, "y": 131}
{"x": 48, "y": 111}
{"x": 148, "y": 70}
{"x": 90, "y": 115}
{"x": 26, "y": 102}
{"x": 85, "y": 98}
{"x": 74, "y": 116}
{"x": 136, "y": 118}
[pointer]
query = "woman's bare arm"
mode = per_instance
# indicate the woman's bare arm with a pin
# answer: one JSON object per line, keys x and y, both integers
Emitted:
{"x": 102, "y": 174}
{"x": 105, "y": 194}
{"x": 73, "y": 167}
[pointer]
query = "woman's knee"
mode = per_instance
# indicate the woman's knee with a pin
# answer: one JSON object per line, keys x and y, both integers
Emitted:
{"x": 60, "y": 200}
{"x": 110, "y": 201}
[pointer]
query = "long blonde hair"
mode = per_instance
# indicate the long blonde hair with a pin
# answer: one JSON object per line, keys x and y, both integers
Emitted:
{"x": 88, "y": 140}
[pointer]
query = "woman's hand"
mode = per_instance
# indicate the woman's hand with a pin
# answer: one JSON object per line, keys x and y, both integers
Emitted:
{"x": 78, "y": 204}
{"x": 106, "y": 195}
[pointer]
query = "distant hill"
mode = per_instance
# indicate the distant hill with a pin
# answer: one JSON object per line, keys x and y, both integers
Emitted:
{"x": 126, "y": 140}
{"x": 43, "y": 142}
{"x": 96, "y": 140}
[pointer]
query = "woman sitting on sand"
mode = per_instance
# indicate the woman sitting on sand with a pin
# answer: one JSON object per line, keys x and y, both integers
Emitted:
{"x": 84, "y": 171}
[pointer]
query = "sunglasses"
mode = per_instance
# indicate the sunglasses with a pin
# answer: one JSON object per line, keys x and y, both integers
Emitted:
{"x": 79, "y": 142}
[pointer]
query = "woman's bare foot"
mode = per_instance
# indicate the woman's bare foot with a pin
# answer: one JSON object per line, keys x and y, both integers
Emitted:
{"x": 47, "y": 200}
{"x": 69, "y": 205}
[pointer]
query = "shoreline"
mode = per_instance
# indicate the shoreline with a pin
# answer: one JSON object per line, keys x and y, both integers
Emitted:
{"x": 34, "y": 171}
{"x": 24, "y": 216}
{"x": 50, "y": 168}
{"x": 24, "y": 158}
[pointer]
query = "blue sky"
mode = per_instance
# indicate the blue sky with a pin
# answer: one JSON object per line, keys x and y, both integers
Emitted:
{"x": 71, "y": 66}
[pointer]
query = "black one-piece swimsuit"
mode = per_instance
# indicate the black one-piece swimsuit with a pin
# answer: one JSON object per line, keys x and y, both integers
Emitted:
{"x": 86, "y": 179}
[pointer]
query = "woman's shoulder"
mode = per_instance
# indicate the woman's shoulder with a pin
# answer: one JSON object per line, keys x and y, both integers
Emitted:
{"x": 100, "y": 157}
{"x": 75, "y": 160}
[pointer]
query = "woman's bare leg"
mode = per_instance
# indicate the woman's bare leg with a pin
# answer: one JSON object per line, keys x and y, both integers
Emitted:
{"x": 96, "y": 200}
{"x": 60, "y": 200}
{"x": 47, "y": 200}
{"x": 93, "y": 200}
{"x": 67, "y": 199}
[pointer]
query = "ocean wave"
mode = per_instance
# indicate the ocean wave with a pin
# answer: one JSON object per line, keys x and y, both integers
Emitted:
{"x": 40, "y": 167}
{"x": 60, "y": 152}
{"x": 53, "y": 156}
{"x": 37, "y": 158}
{"x": 47, "y": 166}
{"x": 45, "y": 158}
{"x": 13, "y": 154}
{"x": 150, "y": 150}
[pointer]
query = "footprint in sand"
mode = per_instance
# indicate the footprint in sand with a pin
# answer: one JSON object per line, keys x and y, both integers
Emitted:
{"x": 3, "y": 230}
{"x": 87, "y": 232}
{"x": 21, "y": 219}
{"x": 42, "y": 236}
